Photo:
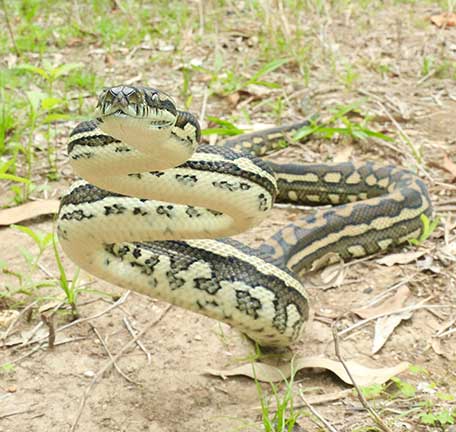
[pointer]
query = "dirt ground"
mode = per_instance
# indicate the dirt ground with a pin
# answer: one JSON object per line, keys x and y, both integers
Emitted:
{"x": 377, "y": 55}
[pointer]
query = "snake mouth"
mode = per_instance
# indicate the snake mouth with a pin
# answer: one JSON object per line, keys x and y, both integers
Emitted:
{"x": 143, "y": 104}
{"x": 154, "y": 117}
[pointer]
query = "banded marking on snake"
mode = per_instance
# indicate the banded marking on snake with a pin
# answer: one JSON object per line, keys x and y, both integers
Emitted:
{"x": 155, "y": 207}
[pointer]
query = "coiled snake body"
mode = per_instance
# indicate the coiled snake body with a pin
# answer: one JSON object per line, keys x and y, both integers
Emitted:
{"x": 160, "y": 202}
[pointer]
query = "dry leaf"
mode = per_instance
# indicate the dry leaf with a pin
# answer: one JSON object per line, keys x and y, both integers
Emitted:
{"x": 400, "y": 258}
{"x": 448, "y": 251}
{"x": 445, "y": 19}
{"x": 390, "y": 305}
{"x": 450, "y": 166}
{"x": 29, "y": 210}
{"x": 7, "y": 316}
{"x": 343, "y": 154}
{"x": 428, "y": 264}
{"x": 436, "y": 345}
{"x": 362, "y": 375}
{"x": 233, "y": 99}
{"x": 384, "y": 328}
{"x": 332, "y": 276}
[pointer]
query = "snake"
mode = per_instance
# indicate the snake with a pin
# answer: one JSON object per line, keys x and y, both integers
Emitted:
{"x": 153, "y": 211}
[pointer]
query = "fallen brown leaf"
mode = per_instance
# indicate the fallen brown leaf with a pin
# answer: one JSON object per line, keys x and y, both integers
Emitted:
{"x": 7, "y": 316}
{"x": 343, "y": 154}
{"x": 384, "y": 328}
{"x": 400, "y": 258}
{"x": 450, "y": 166}
{"x": 29, "y": 210}
{"x": 362, "y": 375}
{"x": 390, "y": 305}
{"x": 445, "y": 19}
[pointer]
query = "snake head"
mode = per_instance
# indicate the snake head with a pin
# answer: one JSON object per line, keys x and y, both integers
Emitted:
{"x": 147, "y": 120}
{"x": 154, "y": 108}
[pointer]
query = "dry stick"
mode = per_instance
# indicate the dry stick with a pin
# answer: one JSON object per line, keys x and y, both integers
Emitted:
{"x": 447, "y": 333}
{"x": 410, "y": 308}
{"x": 110, "y": 363}
{"x": 100, "y": 338}
{"x": 379, "y": 297}
{"x": 89, "y": 318}
{"x": 38, "y": 347}
{"x": 445, "y": 327}
{"x": 138, "y": 342}
{"x": 39, "y": 325}
{"x": 317, "y": 414}
{"x": 49, "y": 321}
{"x": 361, "y": 397}
{"x": 13, "y": 413}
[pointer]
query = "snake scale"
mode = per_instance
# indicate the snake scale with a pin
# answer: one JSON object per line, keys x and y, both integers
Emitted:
{"x": 155, "y": 207}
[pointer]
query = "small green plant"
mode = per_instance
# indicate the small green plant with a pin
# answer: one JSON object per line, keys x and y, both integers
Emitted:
{"x": 7, "y": 369}
{"x": 404, "y": 388}
{"x": 42, "y": 240}
{"x": 26, "y": 282}
{"x": 331, "y": 127}
{"x": 283, "y": 417}
{"x": 441, "y": 418}
{"x": 429, "y": 227}
{"x": 427, "y": 66}
{"x": 225, "y": 128}
{"x": 69, "y": 288}
{"x": 350, "y": 76}
{"x": 20, "y": 192}
{"x": 225, "y": 81}
{"x": 373, "y": 391}
{"x": 45, "y": 108}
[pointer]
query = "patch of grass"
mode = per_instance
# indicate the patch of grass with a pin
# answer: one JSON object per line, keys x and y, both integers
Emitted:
{"x": 224, "y": 81}
{"x": 70, "y": 289}
{"x": 28, "y": 284}
{"x": 283, "y": 417}
{"x": 426, "y": 404}
{"x": 340, "y": 124}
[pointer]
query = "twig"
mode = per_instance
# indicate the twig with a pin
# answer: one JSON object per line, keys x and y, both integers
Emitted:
{"x": 445, "y": 327}
{"x": 361, "y": 397}
{"x": 89, "y": 318}
{"x": 447, "y": 333}
{"x": 317, "y": 414}
{"x": 40, "y": 324}
{"x": 48, "y": 320}
{"x": 109, "y": 364}
{"x": 38, "y": 347}
{"x": 379, "y": 297}
{"x": 138, "y": 342}
{"x": 410, "y": 308}
{"x": 13, "y": 413}
{"x": 110, "y": 355}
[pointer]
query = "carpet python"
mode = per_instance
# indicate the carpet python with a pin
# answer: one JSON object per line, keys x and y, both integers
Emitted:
{"x": 155, "y": 207}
